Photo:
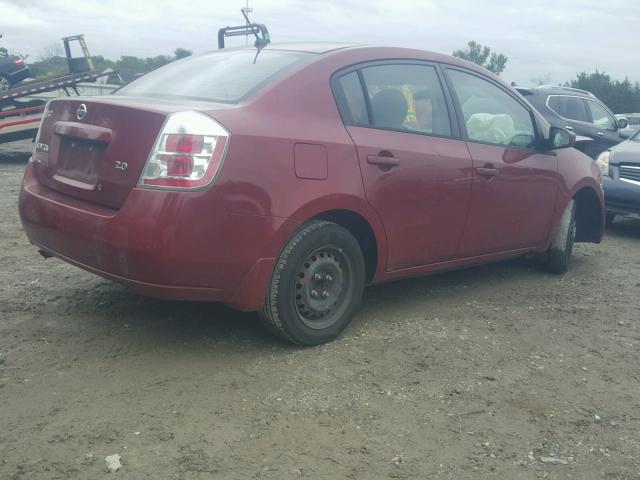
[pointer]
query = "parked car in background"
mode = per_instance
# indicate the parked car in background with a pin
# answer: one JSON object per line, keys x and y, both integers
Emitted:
{"x": 634, "y": 123}
{"x": 620, "y": 166}
{"x": 284, "y": 180}
{"x": 13, "y": 69}
{"x": 580, "y": 112}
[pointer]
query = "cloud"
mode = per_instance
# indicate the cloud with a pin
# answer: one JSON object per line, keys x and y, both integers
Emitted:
{"x": 545, "y": 36}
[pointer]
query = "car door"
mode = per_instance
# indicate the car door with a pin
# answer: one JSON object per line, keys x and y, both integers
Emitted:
{"x": 416, "y": 172}
{"x": 604, "y": 124}
{"x": 514, "y": 185}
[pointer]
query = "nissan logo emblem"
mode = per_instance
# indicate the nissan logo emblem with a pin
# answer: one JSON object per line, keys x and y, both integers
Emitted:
{"x": 82, "y": 111}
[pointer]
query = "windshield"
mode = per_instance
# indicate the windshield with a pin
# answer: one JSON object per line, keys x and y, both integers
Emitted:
{"x": 226, "y": 77}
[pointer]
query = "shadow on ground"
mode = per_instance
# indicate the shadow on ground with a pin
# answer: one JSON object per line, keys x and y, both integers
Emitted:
{"x": 110, "y": 306}
{"x": 625, "y": 227}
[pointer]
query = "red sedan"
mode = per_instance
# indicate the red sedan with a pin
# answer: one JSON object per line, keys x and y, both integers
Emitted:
{"x": 286, "y": 180}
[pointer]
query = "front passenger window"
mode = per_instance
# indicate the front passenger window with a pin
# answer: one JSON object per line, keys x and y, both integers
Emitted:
{"x": 600, "y": 116}
{"x": 492, "y": 115}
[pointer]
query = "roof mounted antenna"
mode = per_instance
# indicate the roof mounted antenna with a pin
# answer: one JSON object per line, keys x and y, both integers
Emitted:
{"x": 260, "y": 42}
{"x": 256, "y": 29}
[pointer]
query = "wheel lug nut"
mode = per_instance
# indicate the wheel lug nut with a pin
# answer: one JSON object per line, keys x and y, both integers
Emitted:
{"x": 315, "y": 294}
{"x": 328, "y": 278}
{"x": 325, "y": 294}
{"x": 317, "y": 276}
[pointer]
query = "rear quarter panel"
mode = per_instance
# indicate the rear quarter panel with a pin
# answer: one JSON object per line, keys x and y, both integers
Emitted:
{"x": 259, "y": 176}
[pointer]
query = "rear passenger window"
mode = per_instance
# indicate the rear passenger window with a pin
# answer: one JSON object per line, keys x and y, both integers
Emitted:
{"x": 571, "y": 108}
{"x": 352, "y": 106}
{"x": 492, "y": 115}
{"x": 407, "y": 98}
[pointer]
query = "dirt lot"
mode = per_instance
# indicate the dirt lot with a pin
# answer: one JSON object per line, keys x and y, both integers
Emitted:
{"x": 500, "y": 372}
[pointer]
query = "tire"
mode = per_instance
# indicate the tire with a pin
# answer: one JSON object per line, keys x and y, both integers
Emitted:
{"x": 559, "y": 254}
{"x": 316, "y": 285}
{"x": 610, "y": 218}
{"x": 5, "y": 84}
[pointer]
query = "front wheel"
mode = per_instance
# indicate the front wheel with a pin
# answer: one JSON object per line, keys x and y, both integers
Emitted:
{"x": 316, "y": 285}
{"x": 4, "y": 83}
{"x": 561, "y": 250}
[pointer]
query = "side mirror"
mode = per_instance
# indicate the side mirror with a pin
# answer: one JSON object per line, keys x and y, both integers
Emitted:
{"x": 622, "y": 122}
{"x": 561, "y": 138}
{"x": 625, "y": 133}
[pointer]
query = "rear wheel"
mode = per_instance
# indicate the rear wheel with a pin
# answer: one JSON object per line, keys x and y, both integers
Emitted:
{"x": 316, "y": 285}
{"x": 4, "y": 83}
{"x": 559, "y": 254}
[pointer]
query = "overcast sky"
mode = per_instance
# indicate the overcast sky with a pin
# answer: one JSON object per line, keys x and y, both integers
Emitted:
{"x": 540, "y": 37}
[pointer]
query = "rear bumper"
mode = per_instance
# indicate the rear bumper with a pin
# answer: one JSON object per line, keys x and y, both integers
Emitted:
{"x": 621, "y": 197}
{"x": 171, "y": 245}
{"x": 19, "y": 75}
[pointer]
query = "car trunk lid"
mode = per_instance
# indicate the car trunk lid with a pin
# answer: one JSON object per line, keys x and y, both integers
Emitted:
{"x": 95, "y": 148}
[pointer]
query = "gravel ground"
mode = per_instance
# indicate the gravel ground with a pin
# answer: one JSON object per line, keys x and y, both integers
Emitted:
{"x": 499, "y": 371}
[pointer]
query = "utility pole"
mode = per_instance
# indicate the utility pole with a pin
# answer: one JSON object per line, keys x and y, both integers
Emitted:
{"x": 247, "y": 10}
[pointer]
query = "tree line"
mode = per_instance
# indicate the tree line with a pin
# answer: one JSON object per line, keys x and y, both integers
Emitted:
{"x": 620, "y": 96}
{"x": 52, "y": 64}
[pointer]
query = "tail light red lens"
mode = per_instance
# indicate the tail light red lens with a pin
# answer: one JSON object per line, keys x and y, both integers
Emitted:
{"x": 184, "y": 143}
{"x": 178, "y": 166}
{"x": 19, "y": 61}
{"x": 188, "y": 152}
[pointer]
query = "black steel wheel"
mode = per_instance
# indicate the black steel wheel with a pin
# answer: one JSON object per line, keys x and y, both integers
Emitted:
{"x": 4, "y": 83}
{"x": 316, "y": 285}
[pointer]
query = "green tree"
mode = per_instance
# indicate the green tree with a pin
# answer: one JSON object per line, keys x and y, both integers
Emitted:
{"x": 53, "y": 64}
{"x": 483, "y": 56}
{"x": 619, "y": 96}
{"x": 182, "y": 53}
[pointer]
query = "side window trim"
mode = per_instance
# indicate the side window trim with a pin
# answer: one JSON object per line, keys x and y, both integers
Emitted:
{"x": 463, "y": 126}
{"x": 456, "y": 133}
{"x": 367, "y": 100}
{"x": 457, "y": 120}
{"x": 340, "y": 98}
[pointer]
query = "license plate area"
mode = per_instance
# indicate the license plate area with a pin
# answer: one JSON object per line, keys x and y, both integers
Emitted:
{"x": 78, "y": 160}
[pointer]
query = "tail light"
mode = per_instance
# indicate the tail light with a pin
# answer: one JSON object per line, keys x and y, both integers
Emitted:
{"x": 188, "y": 153}
{"x": 19, "y": 61}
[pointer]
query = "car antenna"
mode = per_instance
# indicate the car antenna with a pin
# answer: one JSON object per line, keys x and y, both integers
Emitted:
{"x": 260, "y": 43}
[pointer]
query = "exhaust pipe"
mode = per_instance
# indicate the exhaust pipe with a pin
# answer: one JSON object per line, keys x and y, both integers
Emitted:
{"x": 44, "y": 254}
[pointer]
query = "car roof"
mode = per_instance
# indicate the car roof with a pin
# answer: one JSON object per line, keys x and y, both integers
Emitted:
{"x": 555, "y": 90}
{"x": 370, "y": 52}
{"x": 311, "y": 47}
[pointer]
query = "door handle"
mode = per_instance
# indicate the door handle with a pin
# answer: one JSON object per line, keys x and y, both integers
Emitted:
{"x": 568, "y": 127}
{"x": 600, "y": 134}
{"x": 382, "y": 161}
{"x": 487, "y": 172}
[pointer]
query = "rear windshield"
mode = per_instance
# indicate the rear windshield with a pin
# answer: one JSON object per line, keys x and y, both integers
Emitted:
{"x": 226, "y": 77}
